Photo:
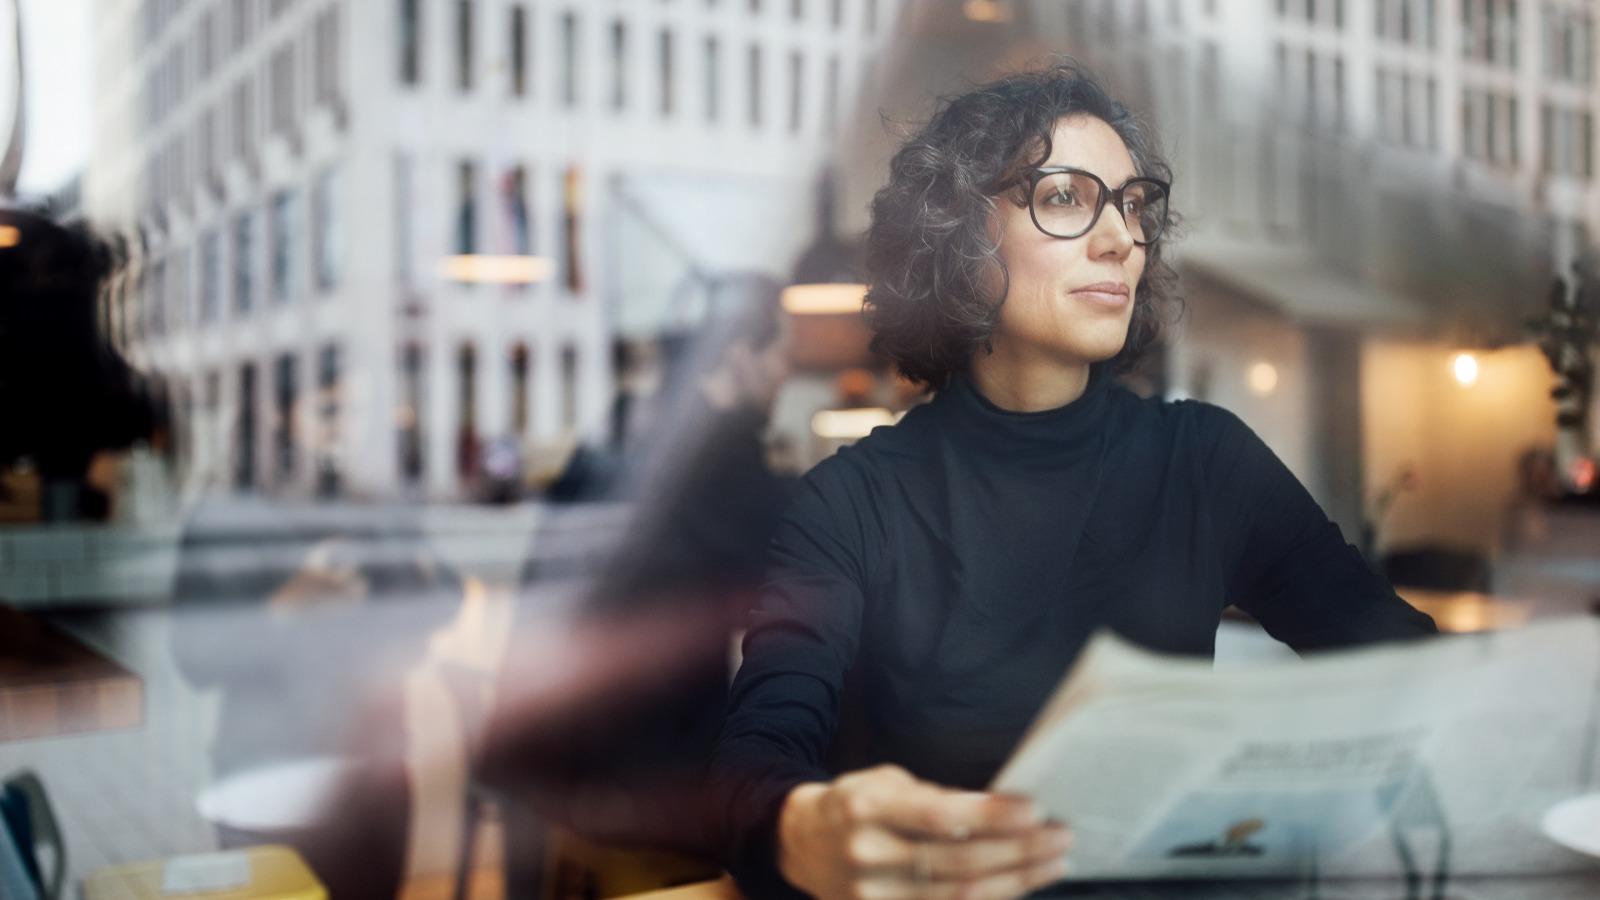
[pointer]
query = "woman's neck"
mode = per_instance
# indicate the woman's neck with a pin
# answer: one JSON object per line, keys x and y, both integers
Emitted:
{"x": 1027, "y": 385}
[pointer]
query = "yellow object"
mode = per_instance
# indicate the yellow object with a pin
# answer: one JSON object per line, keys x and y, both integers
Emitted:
{"x": 276, "y": 873}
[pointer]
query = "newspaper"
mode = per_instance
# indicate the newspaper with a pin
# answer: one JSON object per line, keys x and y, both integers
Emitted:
{"x": 1412, "y": 759}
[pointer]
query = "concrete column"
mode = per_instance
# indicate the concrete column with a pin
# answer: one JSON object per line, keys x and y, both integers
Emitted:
{"x": 1334, "y": 391}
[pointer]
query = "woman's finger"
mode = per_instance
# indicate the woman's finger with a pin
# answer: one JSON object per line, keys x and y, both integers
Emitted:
{"x": 1006, "y": 885}
{"x": 924, "y": 810}
{"x": 966, "y": 860}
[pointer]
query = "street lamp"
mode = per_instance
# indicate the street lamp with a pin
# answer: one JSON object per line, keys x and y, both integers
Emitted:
{"x": 11, "y": 162}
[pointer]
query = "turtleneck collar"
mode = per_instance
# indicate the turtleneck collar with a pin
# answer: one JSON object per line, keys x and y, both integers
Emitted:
{"x": 973, "y": 420}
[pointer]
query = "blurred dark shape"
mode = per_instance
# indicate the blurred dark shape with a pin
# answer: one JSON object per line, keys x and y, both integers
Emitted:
{"x": 626, "y": 767}
{"x": 1405, "y": 479}
{"x": 11, "y": 158}
{"x": 1438, "y": 567}
{"x": 65, "y": 392}
{"x": 502, "y": 470}
{"x": 829, "y": 259}
{"x": 1566, "y": 332}
{"x": 306, "y": 619}
{"x": 28, "y": 822}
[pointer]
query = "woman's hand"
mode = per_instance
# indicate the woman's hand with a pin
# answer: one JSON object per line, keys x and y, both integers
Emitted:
{"x": 881, "y": 834}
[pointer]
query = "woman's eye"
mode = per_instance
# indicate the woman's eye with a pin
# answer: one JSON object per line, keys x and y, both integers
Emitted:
{"x": 1063, "y": 198}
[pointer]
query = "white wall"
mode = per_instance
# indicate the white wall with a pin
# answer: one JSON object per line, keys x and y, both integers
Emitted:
{"x": 1462, "y": 441}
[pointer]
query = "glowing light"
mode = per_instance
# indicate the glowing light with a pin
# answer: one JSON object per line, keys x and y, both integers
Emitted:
{"x": 10, "y": 236}
{"x": 1263, "y": 379}
{"x": 1465, "y": 367}
{"x": 850, "y": 424}
{"x": 987, "y": 10}
{"x": 482, "y": 269}
{"x": 1583, "y": 475}
{"x": 823, "y": 299}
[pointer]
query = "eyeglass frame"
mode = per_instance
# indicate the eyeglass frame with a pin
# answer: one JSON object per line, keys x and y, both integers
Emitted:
{"x": 1107, "y": 193}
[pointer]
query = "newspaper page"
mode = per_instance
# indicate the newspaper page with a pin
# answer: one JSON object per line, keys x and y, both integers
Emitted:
{"x": 1409, "y": 759}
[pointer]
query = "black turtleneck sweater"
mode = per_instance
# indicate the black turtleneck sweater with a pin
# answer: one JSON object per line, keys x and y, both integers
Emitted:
{"x": 954, "y": 565}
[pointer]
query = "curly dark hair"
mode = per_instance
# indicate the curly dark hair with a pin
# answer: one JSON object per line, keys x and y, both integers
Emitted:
{"x": 934, "y": 273}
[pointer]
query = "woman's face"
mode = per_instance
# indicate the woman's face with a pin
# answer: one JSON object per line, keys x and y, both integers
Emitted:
{"x": 1070, "y": 300}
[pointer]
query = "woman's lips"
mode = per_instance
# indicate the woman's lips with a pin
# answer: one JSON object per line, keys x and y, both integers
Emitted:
{"x": 1107, "y": 294}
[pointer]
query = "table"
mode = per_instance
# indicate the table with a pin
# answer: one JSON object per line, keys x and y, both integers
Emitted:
{"x": 275, "y": 873}
{"x": 1573, "y": 886}
{"x": 1466, "y": 611}
{"x": 52, "y": 684}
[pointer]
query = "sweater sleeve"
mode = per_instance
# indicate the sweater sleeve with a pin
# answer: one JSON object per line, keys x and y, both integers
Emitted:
{"x": 1288, "y": 565}
{"x": 783, "y": 708}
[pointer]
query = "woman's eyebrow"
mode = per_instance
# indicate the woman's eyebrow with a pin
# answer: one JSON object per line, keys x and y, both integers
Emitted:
{"x": 1109, "y": 182}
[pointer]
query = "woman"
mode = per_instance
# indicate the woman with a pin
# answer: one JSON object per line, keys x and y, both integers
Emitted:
{"x": 957, "y": 562}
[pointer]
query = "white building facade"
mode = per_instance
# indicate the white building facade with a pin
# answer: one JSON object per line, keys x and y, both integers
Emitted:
{"x": 288, "y": 178}
{"x": 1372, "y": 188}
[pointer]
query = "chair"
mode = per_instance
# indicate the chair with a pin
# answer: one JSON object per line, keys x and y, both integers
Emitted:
{"x": 1438, "y": 567}
{"x": 28, "y": 822}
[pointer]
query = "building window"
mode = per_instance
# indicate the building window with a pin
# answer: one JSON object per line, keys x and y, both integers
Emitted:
{"x": 283, "y": 233}
{"x": 572, "y": 229}
{"x": 1431, "y": 110}
{"x": 836, "y": 16}
{"x": 1567, "y": 41}
{"x": 519, "y": 390}
{"x": 325, "y": 229}
{"x": 1568, "y": 141}
{"x": 871, "y": 17}
{"x": 325, "y": 76}
{"x": 830, "y": 97}
{"x": 664, "y": 73}
{"x": 712, "y": 64}
{"x": 210, "y": 276}
{"x": 569, "y": 388}
{"x": 466, "y": 207}
{"x": 412, "y": 444}
{"x": 330, "y": 402}
{"x": 519, "y": 50}
{"x": 244, "y": 432}
{"x": 243, "y": 276}
{"x": 466, "y": 421}
{"x": 619, "y": 64}
{"x": 796, "y": 88}
{"x": 206, "y": 40}
{"x": 753, "y": 85}
{"x": 244, "y": 119}
{"x": 797, "y": 9}
{"x": 1338, "y": 94}
{"x": 569, "y": 59}
{"x": 464, "y": 65}
{"x": 281, "y": 109}
{"x": 514, "y": 191}
{"x": 243, "y": 14}
{"x": 283, "y": 436}
{"x": 1489, "y": 127}
{"x": 410, "y": 35}
{"x": 1489, "y": 31}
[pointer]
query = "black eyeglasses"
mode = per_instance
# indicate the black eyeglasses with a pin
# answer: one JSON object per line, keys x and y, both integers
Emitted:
{"x": 1066, "y": 203}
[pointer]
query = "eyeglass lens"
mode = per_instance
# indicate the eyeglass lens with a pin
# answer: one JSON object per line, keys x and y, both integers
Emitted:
{"x": 1065, "y": 203}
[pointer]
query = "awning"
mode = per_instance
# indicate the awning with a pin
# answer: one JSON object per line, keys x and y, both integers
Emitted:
{"x": 1293, "y": 280}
